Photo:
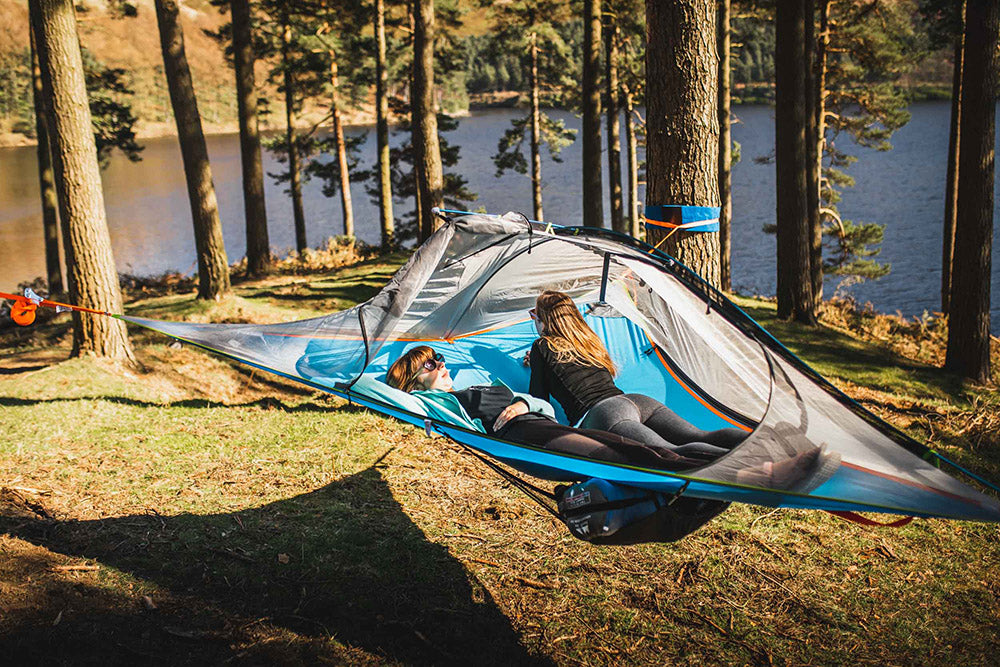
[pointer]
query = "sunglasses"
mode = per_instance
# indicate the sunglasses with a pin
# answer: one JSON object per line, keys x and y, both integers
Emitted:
{"x": 532, "y": 314}
{"x": 430, "y": 365}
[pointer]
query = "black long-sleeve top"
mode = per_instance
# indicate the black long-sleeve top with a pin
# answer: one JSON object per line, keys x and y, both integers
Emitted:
{"x": 577, "y": 387}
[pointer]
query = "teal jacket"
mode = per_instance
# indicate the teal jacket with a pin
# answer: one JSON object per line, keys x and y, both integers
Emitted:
{"x": 445, "y": 407}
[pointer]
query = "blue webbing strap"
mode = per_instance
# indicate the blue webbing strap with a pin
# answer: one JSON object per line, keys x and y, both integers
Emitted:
{"x": 682, "y": 218}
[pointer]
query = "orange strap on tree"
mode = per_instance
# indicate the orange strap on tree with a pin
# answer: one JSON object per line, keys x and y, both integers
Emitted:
{"x": 24, "y": 307}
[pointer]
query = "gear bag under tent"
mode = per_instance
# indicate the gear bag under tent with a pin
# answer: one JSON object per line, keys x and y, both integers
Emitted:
{"x": 466, "y": 292}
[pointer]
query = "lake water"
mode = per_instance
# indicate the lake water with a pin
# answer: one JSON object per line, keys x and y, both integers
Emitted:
{"x": 151, "y": 231}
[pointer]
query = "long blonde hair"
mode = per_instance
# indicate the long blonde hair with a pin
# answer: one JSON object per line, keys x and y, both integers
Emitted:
{"x": 568, "y": 335}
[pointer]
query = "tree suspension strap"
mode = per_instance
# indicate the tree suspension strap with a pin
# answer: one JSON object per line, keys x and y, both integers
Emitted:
{"x": 675, "y": 218}
{"x": 24, "y": 307}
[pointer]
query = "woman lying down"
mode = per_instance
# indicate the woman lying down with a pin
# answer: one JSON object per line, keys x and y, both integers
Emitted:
{"x": 529, "y": 420}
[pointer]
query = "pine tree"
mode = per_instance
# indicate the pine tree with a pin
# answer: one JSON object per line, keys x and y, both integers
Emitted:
{"x": 968, "y": 351}
{"x": 683, "y": 123}
{"x": 254, "y": 208}
{"x": 46, "y": 178}
{"x": 92, "y": 279}
{"x": 213, "y": 266}
{"x": 386, "y": 217}
{"x": 795, "y": 296}
{"x": 522, "y": 26}
{"x": 723, "y": 35}
{"x": 427, "y": 149}
{"x": 593, "y": 202}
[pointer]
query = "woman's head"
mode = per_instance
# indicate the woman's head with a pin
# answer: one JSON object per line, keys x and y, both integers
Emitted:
{"x": 569, "y": 336}
{"x": 420, "y": 368}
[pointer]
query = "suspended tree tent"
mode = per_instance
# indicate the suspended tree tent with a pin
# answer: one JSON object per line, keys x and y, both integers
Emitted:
{"x": 466, "y": 292}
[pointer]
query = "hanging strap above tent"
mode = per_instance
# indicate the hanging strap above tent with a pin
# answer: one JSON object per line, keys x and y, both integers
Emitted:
{"x": 686, "y": 218}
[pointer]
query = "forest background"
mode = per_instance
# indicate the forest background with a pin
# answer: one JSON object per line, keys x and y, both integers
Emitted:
{"x": 486, "y": 75}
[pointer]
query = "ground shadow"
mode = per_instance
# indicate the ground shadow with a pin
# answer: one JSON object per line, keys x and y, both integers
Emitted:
{"x": 344, "y": 561}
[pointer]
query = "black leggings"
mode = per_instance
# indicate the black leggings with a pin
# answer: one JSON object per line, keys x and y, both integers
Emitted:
{"x": 593, "y": 444}
{"x": 642, "y": 418}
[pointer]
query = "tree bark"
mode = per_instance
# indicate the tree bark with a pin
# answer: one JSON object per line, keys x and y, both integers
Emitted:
{"x": 795, "y": 296}
{"x": 968, "y": 351}
{"x": 951, "y": 180}
{"x": 725, "y": 150}
{"x": 682, "y": 123}
{"x": 536, "y": 139}
{"x": 818, "y": 138}
{"x": 46, "y": 178}
{"x": 427, "y": 151}
{"x": 338, "y": 133}
{"x": 90, "y": 263}
{"x": 612, "y": 112}
{"x": 213, "y": 267}
{"x": 291, "y": 140}
{"x": 812, "y": 176}
{"x": 593, "y": 202}
{"x": 633, "y": 168}
{"x": 385, "y": 213}
{"x": 254, "y": 209}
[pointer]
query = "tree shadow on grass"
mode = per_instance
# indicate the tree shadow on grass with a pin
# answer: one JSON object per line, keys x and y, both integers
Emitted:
{"x": 342, "y": 562}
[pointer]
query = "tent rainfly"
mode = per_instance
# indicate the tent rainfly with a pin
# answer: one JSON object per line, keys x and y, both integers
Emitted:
{"x": 466, "y": 292}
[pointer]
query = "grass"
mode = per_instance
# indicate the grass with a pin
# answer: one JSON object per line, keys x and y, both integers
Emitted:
{"x": 193, "y": 511}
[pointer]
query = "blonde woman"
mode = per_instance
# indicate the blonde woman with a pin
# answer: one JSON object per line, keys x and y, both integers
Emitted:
{"x": 570, "y": 363}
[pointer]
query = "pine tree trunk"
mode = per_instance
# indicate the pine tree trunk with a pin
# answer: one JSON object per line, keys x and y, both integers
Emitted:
{"x": 338, "y": 133}
{"x": 815, "y": 228}
{"x": 682, "y": 123}
{"x": 254, "y": 209}
{"x": 818, "y": 138}
{"x": 385, "y": 213}
{"x": 213, "y": 266}
{"x": 725, "y": 150}
{"x": 427, "y": 151}
{"x": 611, "y": 115}
{"x": 951, "y": 180}
{"x": 969, "y": 320}
{"x": 536, "y": 139}
{"x": 90, "y": 263}
{"x": 633, "y": 168}
{"x": 593, "y": 202}
{"x": 46, "y": 178}
{"x": 795, "y": 297}
{"x": 291, "y": 140}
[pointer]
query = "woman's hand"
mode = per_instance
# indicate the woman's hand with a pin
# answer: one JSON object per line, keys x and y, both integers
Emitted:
{"x": 515, "y": 409}
{"x": 527, "y": 358}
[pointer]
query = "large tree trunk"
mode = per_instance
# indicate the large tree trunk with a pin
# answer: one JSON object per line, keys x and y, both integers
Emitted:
{"x": 969, "y": 320}
{"x": 611, "y": 115}
{"x": 46, "y": 178}
{"x": 536, "y": 139}
{"x": 427, "y": 151}
{"x": 812, "y": 176}
{"x": 725, "y": 151}
{"x": 385, "y": 214}
{"x": 338, "y": 133}
{"x": 291, "y": 140}
{"x": 90, "y": 263}
{"x": 682, "y": 123}
{"x": 593, "y": 202}
{"x": 633, "y": 168}
{"x": 254, "y": 210}
{"x": 795, "y": 295}
{"x": 213, "y": 267}
{"x": 951, "y": 180}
